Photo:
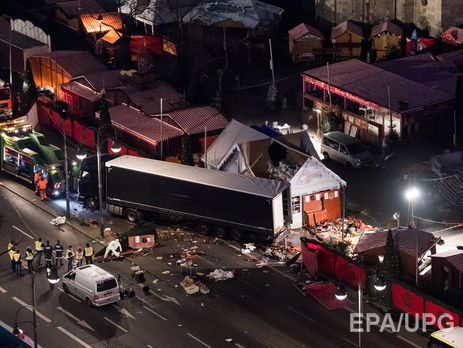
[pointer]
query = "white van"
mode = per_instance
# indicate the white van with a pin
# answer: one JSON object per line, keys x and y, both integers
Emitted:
{"x": 92, "y": 284}
{"x": 345, "y": 149}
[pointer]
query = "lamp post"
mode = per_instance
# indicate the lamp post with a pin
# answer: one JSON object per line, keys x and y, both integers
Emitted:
{"x": 116, "y": 147}
{"x": 341, "y": 294}
{"x": 63, "y": 111}
{"x": 16, "y": 330}
{"x": 411, "y": 195}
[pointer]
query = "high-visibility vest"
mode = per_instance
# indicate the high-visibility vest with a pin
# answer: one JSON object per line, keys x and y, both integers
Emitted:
{"x": 43, "y": 184}
{"x": 29, "y": 256}
{"x": 36, "y": 177}
{"x": 79, "y": 255}
{"x": 89, "y": 251}
{"x": 38, "y": 245}
{"x": 11, "y": 253}
{"x": 17, "y": 256}
{"x": 10, "y": 246}
{"x": 69, "y": 253}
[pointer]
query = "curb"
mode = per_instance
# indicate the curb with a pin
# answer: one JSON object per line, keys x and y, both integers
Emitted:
{"x": 52, "y": 214}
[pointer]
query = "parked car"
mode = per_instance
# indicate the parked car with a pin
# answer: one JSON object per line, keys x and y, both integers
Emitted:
{"x": 345, "y": 149}
{"x": 92, "y": 284}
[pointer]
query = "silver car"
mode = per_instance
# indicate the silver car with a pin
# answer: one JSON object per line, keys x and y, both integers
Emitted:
{"x": 345, "y": 149}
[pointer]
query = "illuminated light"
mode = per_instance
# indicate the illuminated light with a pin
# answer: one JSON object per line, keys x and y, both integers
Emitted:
{"x": 3, "y": 134}
{"x": 412, "y": 193}
{"x": 381, "y": 258}
{"x": 56, "y": 193}
{"x": 16, "y": 131}
{"x": 379, "y": 283}
{"x": 24, "y": 129}
{"x": 57, "y": 185}
{"x": 74, "y": 163}
{"x": 53, "y": 167}
{"x": 317, "y": 110}
{"x": 341, "y": 293}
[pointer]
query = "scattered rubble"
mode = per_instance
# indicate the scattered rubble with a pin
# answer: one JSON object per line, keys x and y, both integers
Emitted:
{"x": 220, "y": 274}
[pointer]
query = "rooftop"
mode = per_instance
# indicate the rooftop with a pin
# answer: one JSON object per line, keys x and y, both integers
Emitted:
{"x": 73, "y": 8}
{"x": 454, "y": 257}
{"x": 194, "y": 120}
{"x": 303, "y": 30}
{"x": 346, "y": 26}
{"x": 109, "y": 21}
{"x": 19, "y": 40}
{"x": 387, "y": 27}
{"x": 371, "y": 83}
{"x": 454, "y": 35}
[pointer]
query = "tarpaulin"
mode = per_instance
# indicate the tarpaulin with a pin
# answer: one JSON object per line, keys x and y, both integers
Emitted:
{"x": 133, "y": 153}
{"x": 349, "y": 273}
{"x": 325, "y": 293}
{"x": 423, "y": 44}
{"x": 86, "y": 137}
{"x": 309, "y": 257}
{"x": 326, "y": 261}
{"x": 407, "y": 300}
{"x": 451, "y": 319}
{"x": 56, "y": 121}
{"x": 78, "y": 132}
{"x": 44, "y": 115}
{"x": 153, "y": 43}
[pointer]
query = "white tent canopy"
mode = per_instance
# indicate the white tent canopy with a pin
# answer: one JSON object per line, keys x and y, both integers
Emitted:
{"x": 229, "y": 141}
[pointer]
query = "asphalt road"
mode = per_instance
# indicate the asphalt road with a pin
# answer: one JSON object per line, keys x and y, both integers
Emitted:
{"x": 260, "y": 307}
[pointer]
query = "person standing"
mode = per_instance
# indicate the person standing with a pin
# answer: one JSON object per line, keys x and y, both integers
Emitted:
{"x": 79, "y": 257}
{"x": 58, "y": 254}
{"x": 39, "y": 249}
{"x": 17, "y": 260}
{"x": 29, "y": 258}
{"x": 70, "y": 257}
{"x": 88, "y": 254}
{"x": 36, "y": 181}
{"x": 43, "y": 188}
{"x": 11, "y": 245}
{"x": 11, "y": 252}
{"x": 48, "y": 253}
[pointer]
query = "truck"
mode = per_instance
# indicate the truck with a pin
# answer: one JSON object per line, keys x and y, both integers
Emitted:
{"x": 226, "y": 205}
{"x": 6, "y": 103}
{"x": 25, "y": 152}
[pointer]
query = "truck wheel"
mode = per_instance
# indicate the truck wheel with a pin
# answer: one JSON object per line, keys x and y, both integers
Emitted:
{"x": 65, "y": 289}
{"x": 236, "y": 234}
{"x": 220, "y": 232}
{"x": 132, "y": 215}
{"x": 326, "y": 156}
{"x": 204, "y": 229}
{"x": 88, "y": 302}
{"x": 90, "y": 204}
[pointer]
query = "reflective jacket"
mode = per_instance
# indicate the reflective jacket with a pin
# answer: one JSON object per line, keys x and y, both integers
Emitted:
{"x": 43, "y": 184}
{"x": 38, "y": 246}
{"x": 79, "y": 255}
{"x": 17, "y": 257}
{"x": 89, "y": 251}
{"x": 69, "y": 253}
{"x": 10, "y": 246}
{"x": 36, "y": 177}
{"x": 11, "y": 253}
{"x": 29, "y": 256}
{"x": 47, "y": 251}
{"x": 59, "y": 250}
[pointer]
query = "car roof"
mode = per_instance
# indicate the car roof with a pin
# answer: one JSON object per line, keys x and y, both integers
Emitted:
{"x": 341, "y": 137}
{"x": 94, "y": 272}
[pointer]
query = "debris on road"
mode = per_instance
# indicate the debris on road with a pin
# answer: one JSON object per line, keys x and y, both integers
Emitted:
{"x": 58, "y": 220}
{"x": 220, "y": 274}
{"x": 248, "y": 248}
{"x": 189, "y": 285}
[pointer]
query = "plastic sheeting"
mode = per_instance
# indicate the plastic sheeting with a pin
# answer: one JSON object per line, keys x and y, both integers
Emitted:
{"x": 439, "y": 311}
{"x": 235, "y": 182}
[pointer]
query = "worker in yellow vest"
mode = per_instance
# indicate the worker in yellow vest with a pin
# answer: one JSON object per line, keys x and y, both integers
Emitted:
{"x": 88, "y": 254}
{"x": 39, "y": 250}
{"x": 10, "y": 245}
{"x": 79, "y": 257}
{"x": 11, "y": 252}
{"x": 17, "y": 260}
{"x": 29, "y": 259}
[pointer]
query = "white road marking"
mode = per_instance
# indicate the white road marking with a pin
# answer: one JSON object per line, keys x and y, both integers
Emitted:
{"x": 165, "y": 297}
{"x": 408, "y": 341}
{"x": 239, "y": 345}
{"x": 197, "y": 339}
{"x": 159, "y": 315}
{"x": 351, "y": 310}
{"x": 29, "y": 307}
{"x": 124, "y": 311}
{"x": 301, "y": 314}
{"x": 116, "y": 325}
{"x": 80, "y": 322}
{"x": 2, "y": 290}
{"x": 20, "y": 230}
{"x": 149, "y": 346}
{"x": 70, "y": 295}
{"x": 75, "y": 338}
{"x": 349, "y": 341}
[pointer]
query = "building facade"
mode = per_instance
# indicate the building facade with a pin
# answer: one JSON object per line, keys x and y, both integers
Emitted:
{"x": 434, "y": 15}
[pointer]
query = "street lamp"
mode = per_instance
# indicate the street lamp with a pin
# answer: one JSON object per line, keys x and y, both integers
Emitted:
{"x": 341, "y": 294}
{"x": 411, "y": 195}
{"x": 115, "y": 147}
{"x": 318, "y": 112}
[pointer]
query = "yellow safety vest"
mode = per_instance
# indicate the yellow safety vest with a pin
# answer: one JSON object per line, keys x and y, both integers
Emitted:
{"x": 38, "y": 245}
{"x": 17, "y": 256}
{"x": 79, "y": 255}
{"x": 10, "y": 246}
{"x": 69, "y": 253}
{"x": 11, "y": 253}
{"x": 89, "y": 251}
{"x": 29, "y": 256}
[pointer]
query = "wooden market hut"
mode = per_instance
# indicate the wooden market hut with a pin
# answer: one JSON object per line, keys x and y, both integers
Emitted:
{"x": 52, "y": 69}
{"x": 386, "y": 39}
{"x": 348, "y": 37}
{"x": 303, "y": 39}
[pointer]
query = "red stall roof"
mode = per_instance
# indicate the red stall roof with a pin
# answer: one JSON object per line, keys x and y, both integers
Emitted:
{"x": 109, "y": 21}
{"x": 193, "y": 120}
{"x": 144, "y": 127}
{"x": 303, "y": 30}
